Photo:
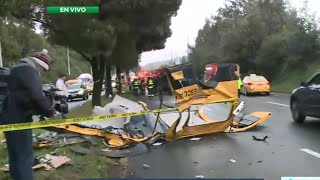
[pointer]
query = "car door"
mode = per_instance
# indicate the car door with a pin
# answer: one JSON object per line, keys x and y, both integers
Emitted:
{"x": 312, "y": 98}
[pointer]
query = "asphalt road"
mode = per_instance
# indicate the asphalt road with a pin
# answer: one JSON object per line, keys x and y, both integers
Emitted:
{"x": 291, "y": 149}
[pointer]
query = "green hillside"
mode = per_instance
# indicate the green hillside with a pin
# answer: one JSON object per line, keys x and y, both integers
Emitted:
{"x": 18, "y": 42}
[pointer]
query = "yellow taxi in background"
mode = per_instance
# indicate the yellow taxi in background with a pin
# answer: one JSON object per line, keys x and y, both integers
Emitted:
{"x": 255, "y": 84}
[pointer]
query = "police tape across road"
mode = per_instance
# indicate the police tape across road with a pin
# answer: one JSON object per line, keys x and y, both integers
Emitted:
{"x": 57, "y": 122}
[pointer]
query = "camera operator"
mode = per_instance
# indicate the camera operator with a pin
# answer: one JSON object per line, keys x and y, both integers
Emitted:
{"x": 24, "y": 100}
{"x": 63, "y": 93}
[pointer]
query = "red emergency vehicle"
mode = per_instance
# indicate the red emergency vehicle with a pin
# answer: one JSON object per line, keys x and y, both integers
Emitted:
{"x": 144, "y": 74}
{"x": 157, "y": 72}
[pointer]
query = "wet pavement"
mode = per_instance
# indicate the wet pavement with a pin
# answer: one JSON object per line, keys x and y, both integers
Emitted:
{"x": 290, "y": 150}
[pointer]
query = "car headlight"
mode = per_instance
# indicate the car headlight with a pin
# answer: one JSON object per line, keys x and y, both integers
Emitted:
{"x": 81, "y": 92}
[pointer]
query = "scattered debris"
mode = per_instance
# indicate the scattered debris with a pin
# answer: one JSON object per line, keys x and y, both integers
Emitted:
{"x": 113, "y": 152}
{"x": 3, "y": 141}
{"x": 157, "y": 144}
{"x": 146, "y": 166}
{"x": 116, "y": 164}
{"x": 249, "y": 164}
{"x": 259, "y": 161}
{"x": 199, "y": 176}
{"x": 56, "y": 140}
{"x": 259, "y": 139}
{"x": 212, "y": 171}
{"x": 195, "y": 139}
{"x": 273, "y": 152}
{"x": 232, "y": 160}
{"x": 48, "y": 162}
{"x": 135, "y": 150}
{"x": 196, "y": 162}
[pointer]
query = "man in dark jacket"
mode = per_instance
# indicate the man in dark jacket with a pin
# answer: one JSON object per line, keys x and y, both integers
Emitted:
{"x": 25, "y": 99}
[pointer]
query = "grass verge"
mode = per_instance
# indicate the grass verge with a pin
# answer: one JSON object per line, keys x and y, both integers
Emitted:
{"x": 292, "y": 79}
{"x": 82, "y": 166}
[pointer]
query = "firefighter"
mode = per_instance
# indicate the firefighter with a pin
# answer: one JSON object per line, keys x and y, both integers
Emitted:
{"x": 135, "y": 86}
{"x": 117, "y": 83}
{"x": 123, "y": 85}
{"x": 239, "y": 86}
{"x": 150, "y": 86}
{"x": 142, "y": 85}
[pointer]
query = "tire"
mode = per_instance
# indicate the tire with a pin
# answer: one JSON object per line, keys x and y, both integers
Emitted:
{"x": 267, "y": 93}
{"x": 296, "y": 113}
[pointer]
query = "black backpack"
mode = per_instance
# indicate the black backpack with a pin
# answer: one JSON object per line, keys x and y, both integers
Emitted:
{"x": 4, "y": 73}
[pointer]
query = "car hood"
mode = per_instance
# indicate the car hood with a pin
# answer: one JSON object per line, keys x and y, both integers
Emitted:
{"x": 73, "y": 90}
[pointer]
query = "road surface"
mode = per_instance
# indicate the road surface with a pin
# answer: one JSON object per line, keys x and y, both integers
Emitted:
{"x": 291, "y": 149}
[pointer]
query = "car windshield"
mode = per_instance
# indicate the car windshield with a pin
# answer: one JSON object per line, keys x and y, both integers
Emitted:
{"x": 85, "y": 80}
{"x": 74, "y": 86}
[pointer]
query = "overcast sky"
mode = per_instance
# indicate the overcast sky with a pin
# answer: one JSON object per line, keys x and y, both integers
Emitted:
{"x": 191, "y": 17}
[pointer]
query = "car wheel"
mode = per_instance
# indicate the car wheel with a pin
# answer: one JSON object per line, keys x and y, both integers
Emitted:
{"x": 296, "y": 113}
{"x": 268, "y": 93}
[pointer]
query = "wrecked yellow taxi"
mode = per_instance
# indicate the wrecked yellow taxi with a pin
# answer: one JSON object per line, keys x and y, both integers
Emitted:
{"x": 198, "y": 108}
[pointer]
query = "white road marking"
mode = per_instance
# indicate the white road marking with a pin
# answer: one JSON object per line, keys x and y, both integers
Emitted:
{"x": 311, "y": 152}
{"x": 278, "y": 104}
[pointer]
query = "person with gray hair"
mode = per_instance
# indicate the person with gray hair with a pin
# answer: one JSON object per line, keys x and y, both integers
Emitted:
{"x": 25, "y": 99}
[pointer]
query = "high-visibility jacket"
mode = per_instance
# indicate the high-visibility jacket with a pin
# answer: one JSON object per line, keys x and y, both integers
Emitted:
{"x": 136, "y": 83}
{"x": 239, "y": 83}
{"x": 150, "y": 83}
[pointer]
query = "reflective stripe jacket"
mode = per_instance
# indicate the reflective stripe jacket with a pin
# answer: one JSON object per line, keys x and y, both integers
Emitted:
{"x": 239, "y": 83}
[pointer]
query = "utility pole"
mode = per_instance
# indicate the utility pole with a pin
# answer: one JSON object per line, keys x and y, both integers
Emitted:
{"x": 68, "y": 57}
{"x": 1, "y": 63}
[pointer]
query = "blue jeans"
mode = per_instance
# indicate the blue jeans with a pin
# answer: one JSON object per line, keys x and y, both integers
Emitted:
{"x": 20, "y": 150}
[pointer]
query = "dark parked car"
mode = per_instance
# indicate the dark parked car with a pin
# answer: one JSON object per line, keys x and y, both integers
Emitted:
{"x": 305, "y": 100}
{"x": 77, "y": 91}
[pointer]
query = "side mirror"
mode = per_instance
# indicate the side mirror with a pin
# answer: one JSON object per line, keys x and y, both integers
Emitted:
{"x": 304, "y": 84}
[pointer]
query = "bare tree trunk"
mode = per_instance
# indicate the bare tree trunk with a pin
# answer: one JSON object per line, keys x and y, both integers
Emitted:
{"x": 108, "y": 85}
{"x": 98, "y": 67}
{"x": 118, "y": 70}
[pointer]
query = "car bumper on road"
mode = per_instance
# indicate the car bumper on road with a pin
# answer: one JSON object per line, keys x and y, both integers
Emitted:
{"x": 258, "y": 90}
{"x": 74, "y": 96}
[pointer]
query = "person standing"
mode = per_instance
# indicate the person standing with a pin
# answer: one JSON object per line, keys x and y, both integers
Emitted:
{"x": 24, "y": 100}
{"x": 150, "y": 86}
{"x": 142, "y": 86}
{"x": 63, "y": 93}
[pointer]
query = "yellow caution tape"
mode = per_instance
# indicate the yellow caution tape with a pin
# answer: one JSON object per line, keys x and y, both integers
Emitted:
{"x": 57, "y": 122}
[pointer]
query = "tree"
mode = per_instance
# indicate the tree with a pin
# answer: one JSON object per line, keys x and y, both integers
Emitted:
{"x": 96, "y": 37}
{"x": 259, "y": 35}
